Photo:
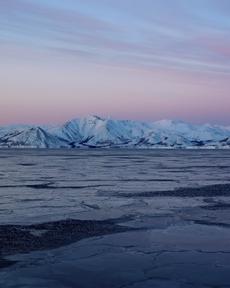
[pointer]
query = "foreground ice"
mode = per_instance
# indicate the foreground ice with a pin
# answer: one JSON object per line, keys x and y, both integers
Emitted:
{"x": 114, "y": 218}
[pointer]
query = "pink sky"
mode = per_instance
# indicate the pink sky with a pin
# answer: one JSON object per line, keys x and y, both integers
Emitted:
{"x": 63, "y": 60}
{"x": 46, "y": 93}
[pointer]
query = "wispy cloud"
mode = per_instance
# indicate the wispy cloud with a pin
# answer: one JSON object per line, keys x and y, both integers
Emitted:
{"x": 163, "y": 33}
{"x": 144, "y": 50}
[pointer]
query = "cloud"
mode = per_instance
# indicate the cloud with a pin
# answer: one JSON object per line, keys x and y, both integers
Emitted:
{"x": 146, "y": 33}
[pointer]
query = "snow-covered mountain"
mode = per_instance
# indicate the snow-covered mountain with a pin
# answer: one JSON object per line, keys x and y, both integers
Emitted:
{"x": 33, "y": 137}
{"x": 94, "y": 131}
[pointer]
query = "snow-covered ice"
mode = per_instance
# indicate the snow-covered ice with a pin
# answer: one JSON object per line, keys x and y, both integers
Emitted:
{"x": 114, "y": 218}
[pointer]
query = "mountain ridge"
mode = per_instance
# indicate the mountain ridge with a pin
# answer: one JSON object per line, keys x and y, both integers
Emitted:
{"x": 97, "y": 132}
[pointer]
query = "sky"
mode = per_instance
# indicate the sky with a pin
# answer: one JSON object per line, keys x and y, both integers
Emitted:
{"x": 124, "y": 59}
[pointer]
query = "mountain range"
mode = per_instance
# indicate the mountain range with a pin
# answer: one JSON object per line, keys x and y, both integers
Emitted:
{"x": 97, "y": 132}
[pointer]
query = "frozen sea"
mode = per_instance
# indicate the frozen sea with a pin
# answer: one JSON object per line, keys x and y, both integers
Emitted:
{"x": 114, "y": 218}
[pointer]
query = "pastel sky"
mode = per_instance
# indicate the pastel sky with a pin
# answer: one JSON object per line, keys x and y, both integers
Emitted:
{"x": 127, "y": 59}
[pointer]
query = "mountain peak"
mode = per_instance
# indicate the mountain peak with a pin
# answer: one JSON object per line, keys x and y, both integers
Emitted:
{"x": 169, "y": 122}
{"x": 94, "y": 117}
{"x": 95, "y": 131}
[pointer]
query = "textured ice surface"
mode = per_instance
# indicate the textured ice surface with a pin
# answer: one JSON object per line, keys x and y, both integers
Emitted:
{"x": 173, "y": 207}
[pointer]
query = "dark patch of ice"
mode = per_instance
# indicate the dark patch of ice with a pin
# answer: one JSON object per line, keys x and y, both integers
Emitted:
{"x": 19, "y": 239}
{"x": 203, "y": 191}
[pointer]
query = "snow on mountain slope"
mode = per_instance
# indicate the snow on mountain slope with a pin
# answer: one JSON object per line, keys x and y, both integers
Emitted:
{"x": 34, "y": 137}
{"x": 98, "y": 131}
{"x": 191, "y": 132}
{"x": 94, "y": 131}
{"x": 10, "y": 128}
